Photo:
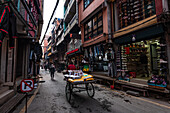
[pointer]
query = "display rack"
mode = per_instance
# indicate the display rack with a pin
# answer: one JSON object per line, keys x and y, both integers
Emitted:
{"x": 118, "y": 60}
{"x": 162, "y": 57}
{"x": 131, "y": 11}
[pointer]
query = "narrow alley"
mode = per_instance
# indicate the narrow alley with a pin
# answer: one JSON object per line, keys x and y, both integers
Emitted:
{"x": 51, "y": 99}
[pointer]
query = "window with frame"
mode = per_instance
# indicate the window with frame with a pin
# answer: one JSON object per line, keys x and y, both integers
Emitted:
{"x": 132, "y": 11}
{"x": 87, "y": 3}
{"x": 94, "y": 26}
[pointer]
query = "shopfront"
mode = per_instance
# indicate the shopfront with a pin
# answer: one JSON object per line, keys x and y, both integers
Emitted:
{"x": 76, "y": 57}
{"x": 98, "y": 57}
{"x": 143, "y": 55}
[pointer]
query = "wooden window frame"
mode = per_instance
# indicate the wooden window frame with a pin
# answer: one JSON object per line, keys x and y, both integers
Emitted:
{"x": 88, "y": 4}
{"x": 92, "y": 31}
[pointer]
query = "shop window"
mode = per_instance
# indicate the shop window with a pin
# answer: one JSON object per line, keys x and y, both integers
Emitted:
{"x": 89, "y": 26}
{"x": 95, "y": 33}
{"x": 100, "y": 30}
{"x": 143, "y": 59}
{"x": 100, "y": 19}
{"x": 93, "y": 27}
{"x": 132, "y": 11}
{"x": 87, "y": 3}
{"x": 95, "y": 23}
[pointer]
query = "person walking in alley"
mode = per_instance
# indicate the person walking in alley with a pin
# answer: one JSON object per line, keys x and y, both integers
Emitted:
{"x": 52, "y": 70}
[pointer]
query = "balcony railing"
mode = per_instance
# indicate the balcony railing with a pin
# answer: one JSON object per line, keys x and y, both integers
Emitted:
{"x": 66, "y": 29}
{"x": 66, "y": 11}
{"x": 73, "y": 19}
{"x": 66, "y": 2}
{"x": 69, "y": 7}
{"x": 70, "y": 3}
{"x": 72, "y": 23}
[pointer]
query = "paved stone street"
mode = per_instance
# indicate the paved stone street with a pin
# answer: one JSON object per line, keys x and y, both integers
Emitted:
{"x": 51, "y": 99}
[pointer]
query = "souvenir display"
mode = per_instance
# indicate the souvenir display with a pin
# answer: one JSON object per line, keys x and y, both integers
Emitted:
{"x": 125, "y": 77}
{"x": 157, "y": 80}
{"x": 143, "y": 59}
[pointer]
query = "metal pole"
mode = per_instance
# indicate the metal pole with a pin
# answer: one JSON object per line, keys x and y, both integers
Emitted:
{"x": 26, "y": 103}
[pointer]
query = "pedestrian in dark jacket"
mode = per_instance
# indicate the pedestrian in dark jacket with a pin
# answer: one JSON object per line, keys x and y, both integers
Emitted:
{"x": 52, "y": 70}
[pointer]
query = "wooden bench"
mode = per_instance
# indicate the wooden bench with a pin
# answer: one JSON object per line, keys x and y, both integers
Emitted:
{"x": 145, "y": 92}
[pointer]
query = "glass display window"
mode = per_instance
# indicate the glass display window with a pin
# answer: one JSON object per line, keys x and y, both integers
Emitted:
{"x": 144, "y": 58}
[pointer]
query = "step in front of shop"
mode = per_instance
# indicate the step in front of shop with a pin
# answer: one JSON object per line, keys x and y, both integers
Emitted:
{"x": 6, "y": 95}
{"x": 103, "y": 79}
{"x": 137, "y": 86}
{"x": 12, "y": 103}
{"x": 3, "y": 89}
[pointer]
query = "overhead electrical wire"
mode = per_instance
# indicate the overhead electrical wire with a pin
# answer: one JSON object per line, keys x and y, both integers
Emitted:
{"x": 50, "y": 21}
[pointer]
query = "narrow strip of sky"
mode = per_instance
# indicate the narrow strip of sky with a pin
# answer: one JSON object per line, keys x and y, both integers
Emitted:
{"x": 48, "y": 9}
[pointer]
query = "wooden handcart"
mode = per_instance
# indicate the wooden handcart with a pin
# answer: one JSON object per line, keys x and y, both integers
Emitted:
{"x": 80, "y": 83}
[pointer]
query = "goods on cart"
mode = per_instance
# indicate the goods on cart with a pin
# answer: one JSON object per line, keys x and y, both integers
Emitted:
{"x": 157, "y": 81}
{"x": 78, "y": 75}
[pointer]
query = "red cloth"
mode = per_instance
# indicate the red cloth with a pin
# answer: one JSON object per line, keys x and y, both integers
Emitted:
{"x": 127, "y": 50}
{"x": 133, "y": 74}
{"x": 71, "y": 67}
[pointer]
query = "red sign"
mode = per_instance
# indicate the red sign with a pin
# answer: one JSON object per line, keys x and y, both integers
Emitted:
{"x": 72, "y": 51}
{"x": 71, "y": 35}
{"x": 27, "y": 85}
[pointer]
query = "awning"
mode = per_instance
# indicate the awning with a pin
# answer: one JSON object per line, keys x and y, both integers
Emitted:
{"x": 144, "y": 34}
{"x": 73, "y": 51}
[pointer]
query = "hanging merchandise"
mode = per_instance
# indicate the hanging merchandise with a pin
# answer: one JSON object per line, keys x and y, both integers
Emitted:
{"x": 91, "y": 53}
{"x": 97, "y": 49}
{"x": 7, "y": 25}
{"x": 38, "y": 51}
{"x": 127, "y": 50}
{"x": 102, "y": 50}
{"x": 100, "y": 56}
{"x": 95, "y": 53}
{"x": 86, "y": 53}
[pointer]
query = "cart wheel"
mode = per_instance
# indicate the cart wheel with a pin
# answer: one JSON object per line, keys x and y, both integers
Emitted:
{"x": 90, "y": 90}
{"x": 68, "y": 91}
